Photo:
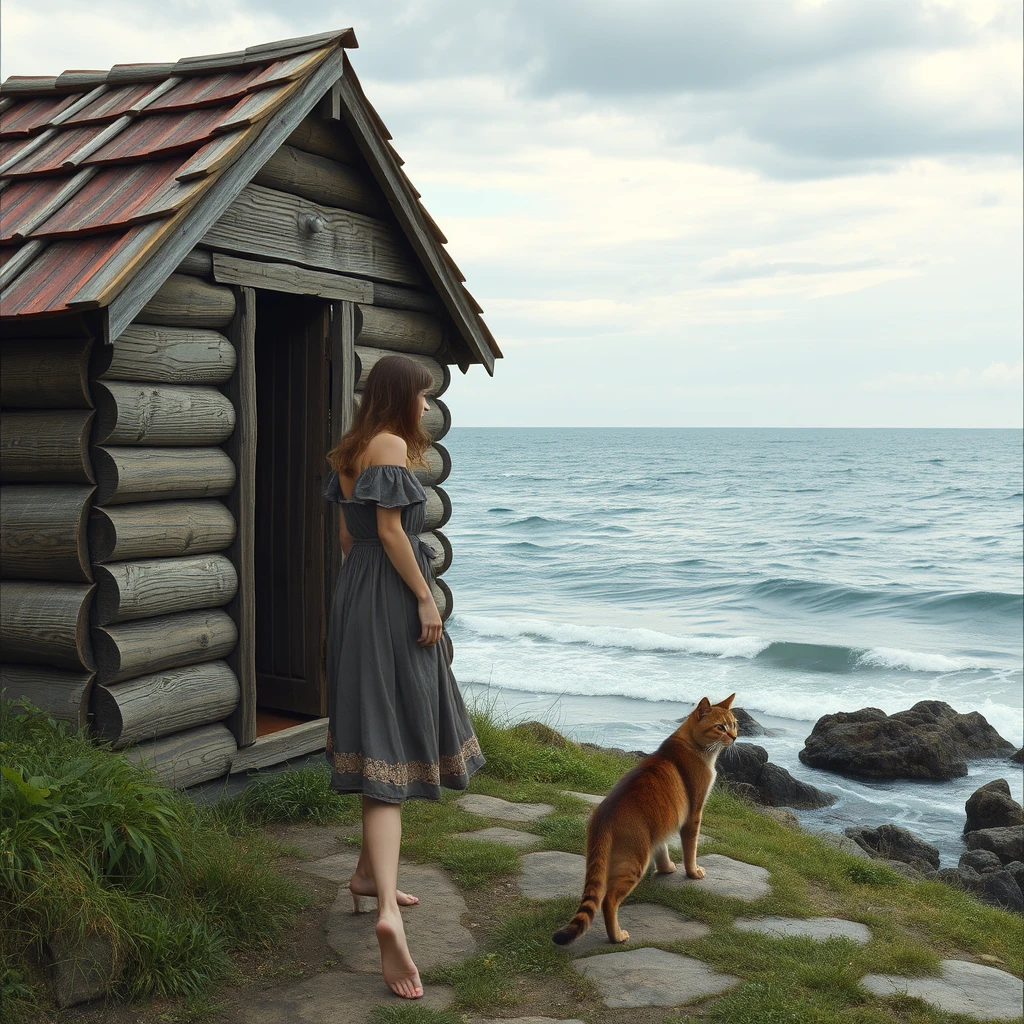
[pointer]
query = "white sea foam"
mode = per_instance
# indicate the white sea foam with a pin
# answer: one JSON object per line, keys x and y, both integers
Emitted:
{"x": 613, "y": 637}
{"x": 916, "y": 661}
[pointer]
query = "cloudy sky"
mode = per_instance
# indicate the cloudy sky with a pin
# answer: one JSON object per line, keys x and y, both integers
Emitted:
{"x": 682, "y": 213}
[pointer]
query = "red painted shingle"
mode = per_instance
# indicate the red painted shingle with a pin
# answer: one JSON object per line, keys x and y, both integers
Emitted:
{"x": 110, "y": 105}
{"x": 30, "y": 114}
{"x": 159, "y": 134}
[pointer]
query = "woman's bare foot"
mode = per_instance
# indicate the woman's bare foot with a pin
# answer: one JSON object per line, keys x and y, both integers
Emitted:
{"x": 360, "y": 885}
{"x": 396, "y": 964}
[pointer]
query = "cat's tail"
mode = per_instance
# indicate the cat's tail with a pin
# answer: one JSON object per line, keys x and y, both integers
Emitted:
{"x": 593, "y": 891}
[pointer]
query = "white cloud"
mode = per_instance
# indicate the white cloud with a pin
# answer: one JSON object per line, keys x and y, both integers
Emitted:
{"x": 994, "y": 376}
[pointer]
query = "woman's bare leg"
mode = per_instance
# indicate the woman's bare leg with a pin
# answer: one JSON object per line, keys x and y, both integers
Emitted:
{"x": 362, "y": 884}
{"x": 382, "y": 838}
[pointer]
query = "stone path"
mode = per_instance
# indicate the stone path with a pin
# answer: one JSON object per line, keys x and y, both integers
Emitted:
{"x": 501, "y": 835}
{"x": 723, "y": 876}
{"x": 646, "y": 923}
{"x": 590, "y": 798}
{"x": 961, "y": 987}
{"x": 820, "y": 928}
{"x": 550, "y": 874}
{"x": 495, "y": 807}
{"x": 652, "y": 977}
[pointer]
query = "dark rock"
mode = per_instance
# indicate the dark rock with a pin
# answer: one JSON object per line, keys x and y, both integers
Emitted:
{"x": 980, "y": 861}
{"x": 929, "y": 741}
{"x": 1016, "y": 869}
{"x": 779, "y": 789}
{"x": 742, "y": 762}
{"x": 1006, "y": 843}
{"x": 948, "y": 875}
{"x": 1018, "y": 757}
{"x": 745, "y": 791}
{"x": 901, "y": 868}
{"x": 81, "y": 970}
{"x": 783, "y": 815}
{"x": 1000, "y": 889}
{"x": 746, "y": 724}
{"x": 540, "y": 733}
{"x": 991, "y": 806}
{"x": 843, "y": 843}
{"x": 890, "y": 842}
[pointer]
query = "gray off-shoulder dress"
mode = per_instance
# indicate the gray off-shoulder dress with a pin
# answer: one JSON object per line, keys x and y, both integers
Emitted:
{"x": 397, "y": 725}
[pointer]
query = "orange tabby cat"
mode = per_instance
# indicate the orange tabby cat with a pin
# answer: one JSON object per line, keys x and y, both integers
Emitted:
{"x": 663, "y": 794}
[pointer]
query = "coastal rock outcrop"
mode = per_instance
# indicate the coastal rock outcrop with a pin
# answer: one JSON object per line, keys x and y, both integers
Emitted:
{"x": 929, "y": 741}
{"x": 891, "y": 842}
{"x": 981, "y": 872}
{"x": 991, "y": 806}
{"x": 1006, "y": 843}
{"x": 1018, "y": 757}
{"x": 746, "y": 724}
{"x": 747, "y": 770}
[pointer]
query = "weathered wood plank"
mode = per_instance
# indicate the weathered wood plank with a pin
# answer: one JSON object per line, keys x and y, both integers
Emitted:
{"x": 393, "y": 296}
{"x": 45, "y": 447}
{"x": 149, "y": 474}
{"x": 158, "y": 529}
{"x": 160, "y": 586}
{"x": 188, "y": 757}
{"x": 286, "y": 277}
{"x": 399, "y": 330}
{"x": 275, "y": 747}
{"x": 438, "y": 508}
{"x": 160, "y": 414}
{"x": 163, "y": 702}
{"x": 44, "y": 375}
{"x": 198, "y": 263}
{"x": 264, "y": 222}
{"x": 321, "y": 180}
{"x": 45, "y": 624}
{"x": 241, "y": 506}
{"x": 441, "y": 550}
{"x": 130, "y": 649}
{"x": 439, "y": 466}
{"x": 325, "y": 138}
{"x": 43, "y": 532}
{"x": 166, "y": 355}
{"x": 62, "y": 695}
{"x": 442, "y": 597}
{"x": 367, "y": 357}
{"x": 186, "y": 301}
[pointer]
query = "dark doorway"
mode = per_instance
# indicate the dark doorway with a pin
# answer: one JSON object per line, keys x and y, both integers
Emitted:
{"x": 292, "y": 546}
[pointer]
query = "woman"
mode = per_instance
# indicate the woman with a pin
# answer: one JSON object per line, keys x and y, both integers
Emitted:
{"x": 397, "y": 728}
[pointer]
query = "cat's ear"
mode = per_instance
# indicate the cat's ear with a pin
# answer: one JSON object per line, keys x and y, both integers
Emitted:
{"x": 703, "y": 707}
{"x": 727, "y": 703}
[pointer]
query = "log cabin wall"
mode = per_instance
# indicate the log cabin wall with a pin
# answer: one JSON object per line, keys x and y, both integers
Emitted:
{"x": 161, "y": 533}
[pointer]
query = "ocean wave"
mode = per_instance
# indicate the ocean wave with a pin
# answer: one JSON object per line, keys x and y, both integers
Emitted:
{"x": 916, "y": 661}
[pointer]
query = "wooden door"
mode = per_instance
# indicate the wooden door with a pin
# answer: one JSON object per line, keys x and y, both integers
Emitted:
{"x": 292, "y": 546}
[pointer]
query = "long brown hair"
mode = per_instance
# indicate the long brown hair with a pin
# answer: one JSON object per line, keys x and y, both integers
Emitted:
{"x": 388, "y": 403}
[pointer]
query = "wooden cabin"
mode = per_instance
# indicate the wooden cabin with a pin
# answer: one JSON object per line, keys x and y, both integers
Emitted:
{"x": 199, "y": 264}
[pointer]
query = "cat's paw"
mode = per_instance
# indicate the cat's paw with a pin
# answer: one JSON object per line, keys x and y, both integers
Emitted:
{"x": 696, "y": 872}
{"x": 665, "y": 869}
{"x": 623, "y": 936}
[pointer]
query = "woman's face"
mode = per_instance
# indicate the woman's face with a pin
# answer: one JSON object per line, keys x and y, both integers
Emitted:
{"x": 422, "y": 403}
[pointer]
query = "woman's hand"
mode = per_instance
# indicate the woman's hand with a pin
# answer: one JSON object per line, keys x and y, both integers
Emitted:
{"x": 430, "y": 621}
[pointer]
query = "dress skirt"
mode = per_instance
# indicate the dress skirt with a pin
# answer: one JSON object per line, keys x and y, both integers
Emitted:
{"x": 397, "y": 725}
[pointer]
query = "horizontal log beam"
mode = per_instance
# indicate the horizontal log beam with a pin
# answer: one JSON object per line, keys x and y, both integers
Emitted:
{"x": 438, "y": 509}
{"x": 62, "y": 695}
{"x": 187, "y": 758}
{"x": 399, "y": 330}
{"x": 198, "y": 263}
{"x": 366, "y": 359}
{"x": 159, "y": 529}
{"x": 149, "y": 474}
{"x": 439, "y": 466}
{"x": 288, "y": 278}
{"x": 395, "y": 297}
{"x": 163, "y": 703}
{"x": 442, "y": 598}
{"x": 45, "y": 447}
{"x": 320, "y": 179}
{"x": 128, "y": 649}
{"x": 38, "y": 374}
{"x": 441, "y": 550}
{"x": 275, "y": 747}
{"x": 314, "y": 135}
{"x": 43, "y": 532}
{"x": 187, "y": 301}
{"x": 277, "y": 226}
{"x": 46, "y": 624}
{"x": 160, "y": 414}
{"x": 152, "y": 354}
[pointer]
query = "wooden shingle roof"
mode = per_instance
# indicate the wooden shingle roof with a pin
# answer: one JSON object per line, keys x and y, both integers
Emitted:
{"x": 107, "y": 179}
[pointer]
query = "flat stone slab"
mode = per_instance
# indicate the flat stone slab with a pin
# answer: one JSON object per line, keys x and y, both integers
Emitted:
{"x": 724, "y": 877}
{"x": 524, "y": 1020}
{"x": 961, "y": 987}
{"x": 498, "y": 834}
{"x": 550, "y": 874}
{"x": 336, "y": 997}
{"x": 652, "y": 977}
{"x": 820, "y": 928}
{"x": 495, "y": 807}
{"x": 590, "y": 798}
{"x": 646, "y": 923}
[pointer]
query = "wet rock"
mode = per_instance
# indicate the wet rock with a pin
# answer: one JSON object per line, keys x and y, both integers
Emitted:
{"x": 742, "y": 763}
{"x": 991, "y": 806}
{"x": 748, "y": 772}
{"x": 1018, "y": 757}
{"x": 1006, "y": 843}
{"x": 929, "y": 741}
{"x": 891, "y": 842}
{"x": 779, "y": 789}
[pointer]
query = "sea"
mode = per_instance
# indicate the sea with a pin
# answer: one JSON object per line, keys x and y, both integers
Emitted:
{"x": 605, "y": 579}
